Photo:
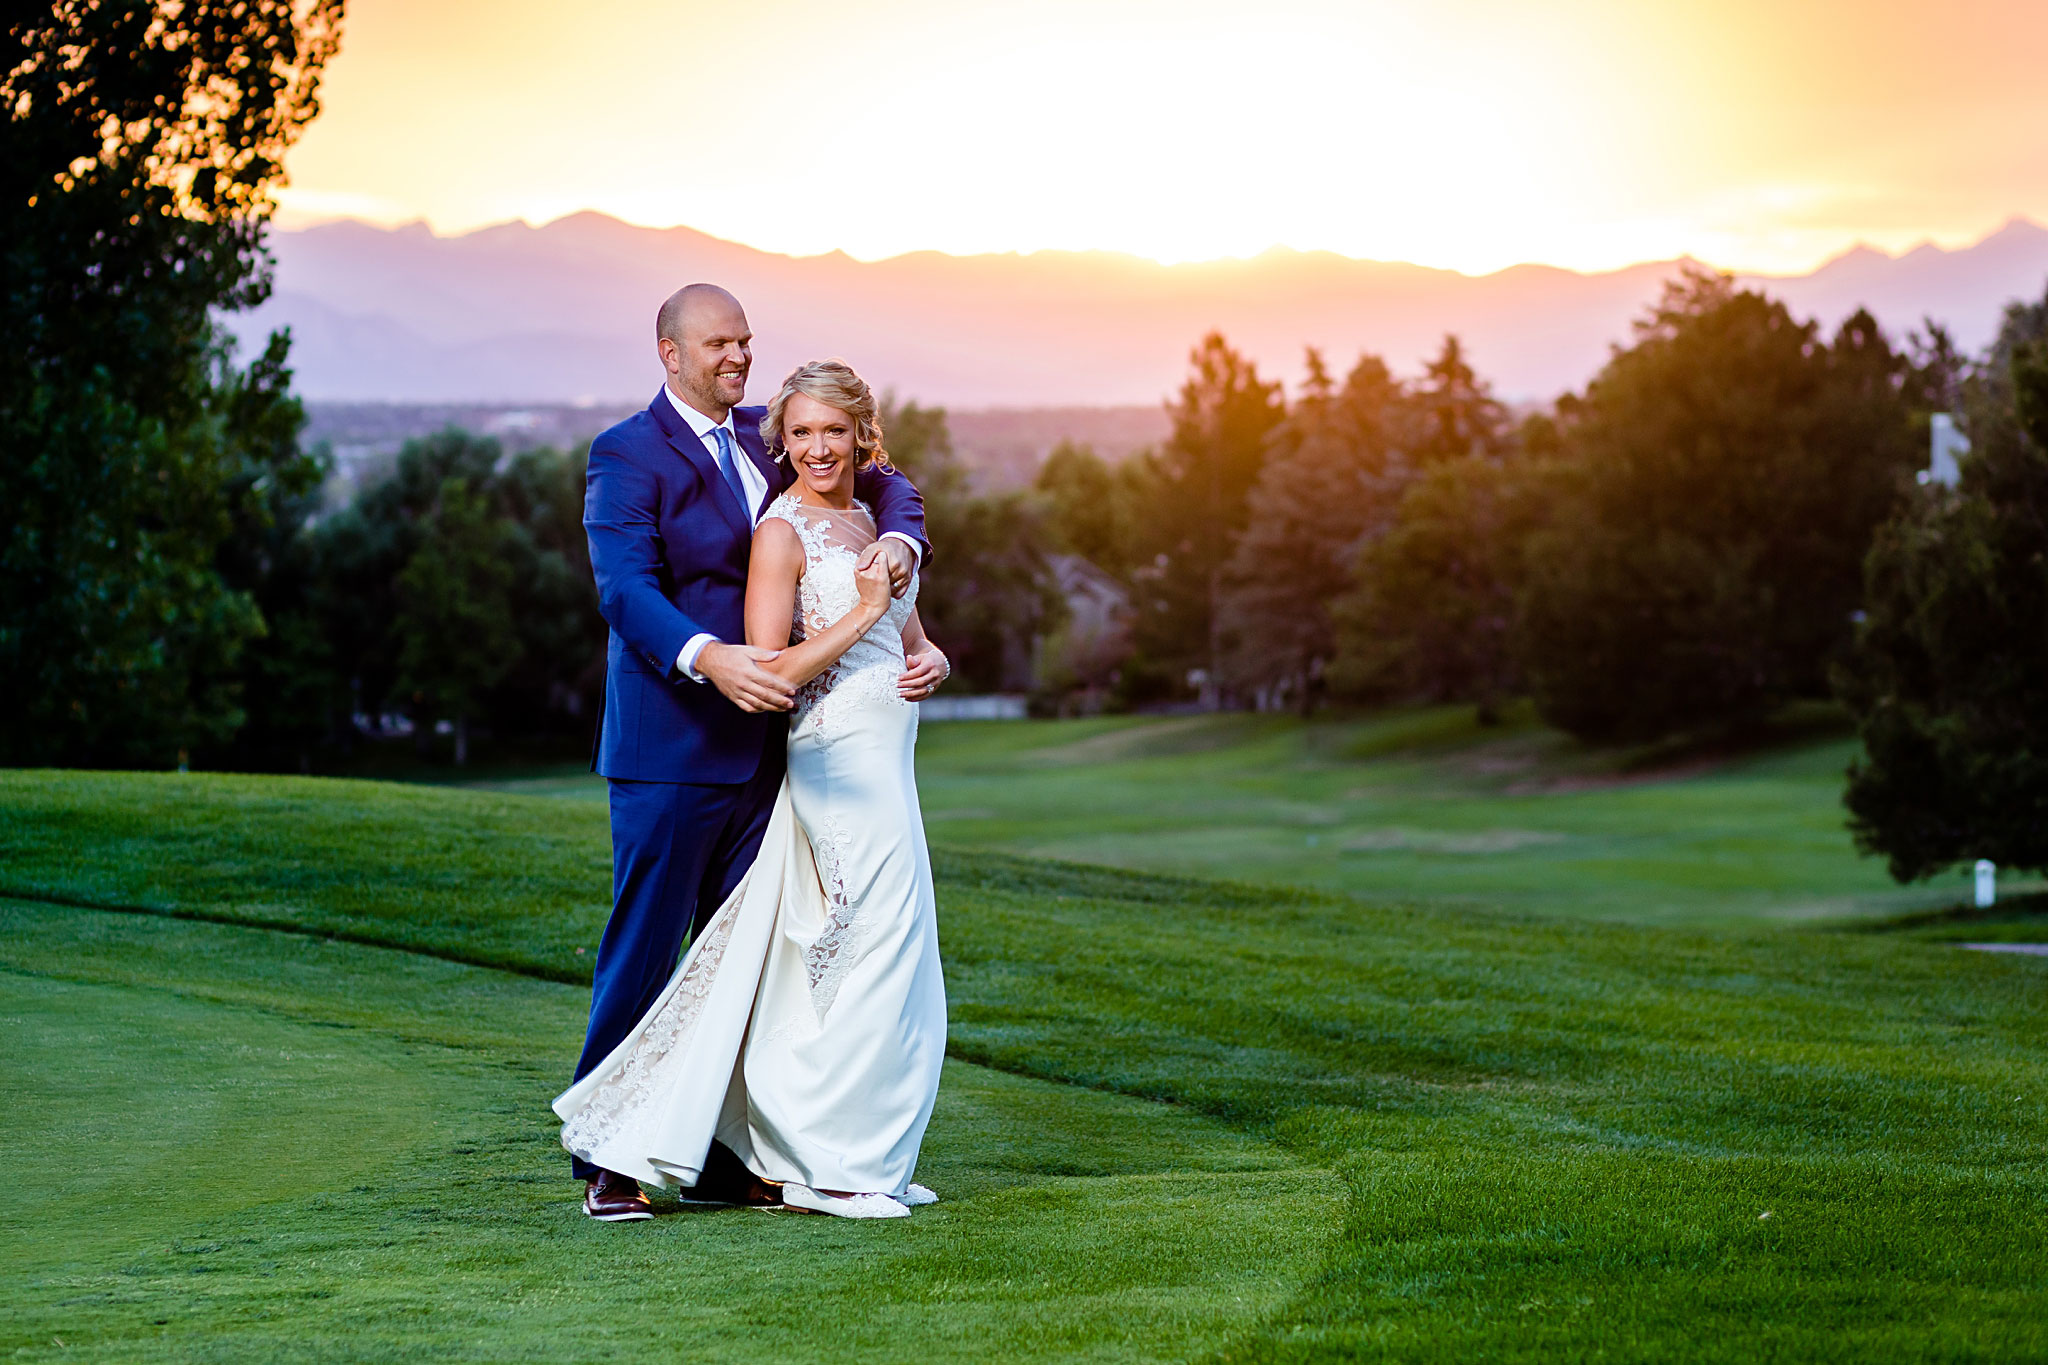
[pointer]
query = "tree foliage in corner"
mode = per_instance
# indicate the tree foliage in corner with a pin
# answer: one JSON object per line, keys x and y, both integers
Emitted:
{"x": 143, "y": 145}
{"x": 1949, "y": 679}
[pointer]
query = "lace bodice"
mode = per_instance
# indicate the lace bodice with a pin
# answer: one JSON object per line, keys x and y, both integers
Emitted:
{"x": 833, "y": 541}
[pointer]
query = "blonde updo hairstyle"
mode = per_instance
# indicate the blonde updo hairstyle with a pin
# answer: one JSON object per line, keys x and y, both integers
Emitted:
{"x": 833, "y": 383}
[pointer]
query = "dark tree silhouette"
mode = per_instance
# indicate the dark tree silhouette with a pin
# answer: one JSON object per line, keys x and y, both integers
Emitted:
{"x": 143, "y": 144}
{"x": 1205, "y": 472}
{"x": 1329, "y": 481}
{"x": 1459, "y": 415}
{"x": 1949, "y": 678}
{"x": 454, "y": 627}
{"x": 990, "y": 591}
{"x": 1726, "y": 474}
{"x": 1432, "y": 614}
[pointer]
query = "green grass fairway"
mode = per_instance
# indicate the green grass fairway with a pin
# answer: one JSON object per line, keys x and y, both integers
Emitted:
{"x": 235, "y": 1144}
{"x": 1426, "y": 806}
{"x": 1185, "y": 1120}
{"x": 1416, "y": 805}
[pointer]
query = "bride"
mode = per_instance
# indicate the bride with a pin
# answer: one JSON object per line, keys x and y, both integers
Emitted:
{"x": 806, "y": 1026}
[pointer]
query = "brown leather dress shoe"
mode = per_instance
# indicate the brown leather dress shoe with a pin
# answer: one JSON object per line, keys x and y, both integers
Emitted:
{"x": 613, "y": 1198}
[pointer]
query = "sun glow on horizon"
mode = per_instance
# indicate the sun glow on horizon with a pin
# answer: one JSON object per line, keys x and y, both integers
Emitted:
{"x": 1466, "y": 134}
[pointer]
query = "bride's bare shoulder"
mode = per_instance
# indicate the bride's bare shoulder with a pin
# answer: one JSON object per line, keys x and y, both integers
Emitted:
{"x": 777, "y": 548}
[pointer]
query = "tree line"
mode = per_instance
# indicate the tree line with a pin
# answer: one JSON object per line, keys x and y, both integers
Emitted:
{"x": 1680, "y": 546}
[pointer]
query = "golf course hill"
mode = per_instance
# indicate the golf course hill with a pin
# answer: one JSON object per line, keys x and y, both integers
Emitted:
{"x": 281, "y": 1051}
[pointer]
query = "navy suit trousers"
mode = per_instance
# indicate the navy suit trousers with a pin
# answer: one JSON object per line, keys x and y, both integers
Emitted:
{"x": 678, "y": 850}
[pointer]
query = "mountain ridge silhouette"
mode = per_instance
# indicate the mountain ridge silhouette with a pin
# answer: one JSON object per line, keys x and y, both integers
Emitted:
{"x": 563, "y": 312}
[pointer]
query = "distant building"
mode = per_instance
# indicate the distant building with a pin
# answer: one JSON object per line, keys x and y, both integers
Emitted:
{"x": 989, "y": 706}
{"x": 1948, "y": 444}
{"x": 1079, "y": 662}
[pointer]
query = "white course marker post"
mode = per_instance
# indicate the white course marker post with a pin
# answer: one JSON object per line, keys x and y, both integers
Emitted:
{"x": 1987, "y": 883}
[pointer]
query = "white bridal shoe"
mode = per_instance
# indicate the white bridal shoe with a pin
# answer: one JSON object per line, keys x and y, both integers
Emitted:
{"x": 917, "y": 1196}
{"x": 843, "y": 1206}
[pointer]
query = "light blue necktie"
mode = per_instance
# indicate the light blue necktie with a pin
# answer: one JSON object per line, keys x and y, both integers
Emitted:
{"x": 728, "y": 465}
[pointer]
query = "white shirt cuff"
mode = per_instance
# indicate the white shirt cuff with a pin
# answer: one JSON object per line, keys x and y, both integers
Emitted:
{"x": 916, "y": 550}
{"x": 687, "y": 660}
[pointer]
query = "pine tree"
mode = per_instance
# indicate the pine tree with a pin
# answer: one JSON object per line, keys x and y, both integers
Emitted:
{"x": 1204, "y": 475}
{"x": 990, "y": 592}
{"x": 1326, "y": 486}
{"x": 1431, "y": 615}
{"x": 1458, "y": 413}
{"x": 1091, "y": 506}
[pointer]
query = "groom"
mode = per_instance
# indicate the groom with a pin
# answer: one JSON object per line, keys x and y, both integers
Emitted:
{"x": 691, "y": 741}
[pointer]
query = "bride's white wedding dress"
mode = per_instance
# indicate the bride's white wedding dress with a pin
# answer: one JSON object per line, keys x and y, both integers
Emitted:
{"x": 806, "y": 1025}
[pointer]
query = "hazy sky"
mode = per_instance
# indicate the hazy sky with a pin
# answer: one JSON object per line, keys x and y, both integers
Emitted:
{"x": 1758, "y": 134}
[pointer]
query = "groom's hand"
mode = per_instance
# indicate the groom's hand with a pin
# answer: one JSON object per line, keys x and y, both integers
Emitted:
{"x": 927, "y": 669}
{"x": 737, "y": 671}
{"x": 902, "y": 562}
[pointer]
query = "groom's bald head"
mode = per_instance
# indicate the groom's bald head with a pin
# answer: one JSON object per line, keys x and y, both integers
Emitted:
{"x": 702, "y": 303}
{"x": 702, "y": 336}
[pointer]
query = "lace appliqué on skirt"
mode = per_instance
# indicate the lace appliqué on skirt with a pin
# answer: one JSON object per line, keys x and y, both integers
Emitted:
{"x": 833, "y": 952}
{"x": 626, "y": 1087}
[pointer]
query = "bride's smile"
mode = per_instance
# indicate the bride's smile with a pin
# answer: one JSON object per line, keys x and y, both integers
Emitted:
{"x": 820, "y": 442}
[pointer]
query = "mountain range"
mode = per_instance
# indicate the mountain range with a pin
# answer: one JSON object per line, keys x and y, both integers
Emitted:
{"x": 563, "y": 313}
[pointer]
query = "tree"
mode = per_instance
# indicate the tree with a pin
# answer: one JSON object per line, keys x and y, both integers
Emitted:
{"x": 143, "y": 144}
{"x": 1949, "y": 678}
{"x": 1725, "y": 475}
{"x": 360, "y": 551}
{"x": 990, "y": 592}
{"x": 1432, "y": 613}
{"x": 1458, "y": 413}
{"x": 454, "y": 625}
{"x": 558, "y": 672}
{"x": 349, "y": 598}
{"x": 1091, "y": 506}
{"x": 292, "y": 693}
{"x": 1328, "y": 483}
{"x": 1204, "y": 475}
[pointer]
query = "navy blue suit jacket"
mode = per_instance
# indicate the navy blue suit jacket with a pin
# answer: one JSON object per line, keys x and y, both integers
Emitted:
{"x": 669, "y": 544}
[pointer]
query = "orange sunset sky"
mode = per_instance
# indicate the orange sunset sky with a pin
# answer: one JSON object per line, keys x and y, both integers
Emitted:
{"x": 1762, "y": 135}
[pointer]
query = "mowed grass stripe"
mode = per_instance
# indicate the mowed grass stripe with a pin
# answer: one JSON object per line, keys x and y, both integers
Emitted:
{"x": 243, "y": 1145}
{"x": 500, "y": 881}
{"x": 1420, "y": 804}
{"x": 1554, "y": 1137}
{"x": 1427, "y": 805}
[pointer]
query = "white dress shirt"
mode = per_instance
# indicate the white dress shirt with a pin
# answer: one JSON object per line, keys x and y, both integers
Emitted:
{"x": 757, "y": 502}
